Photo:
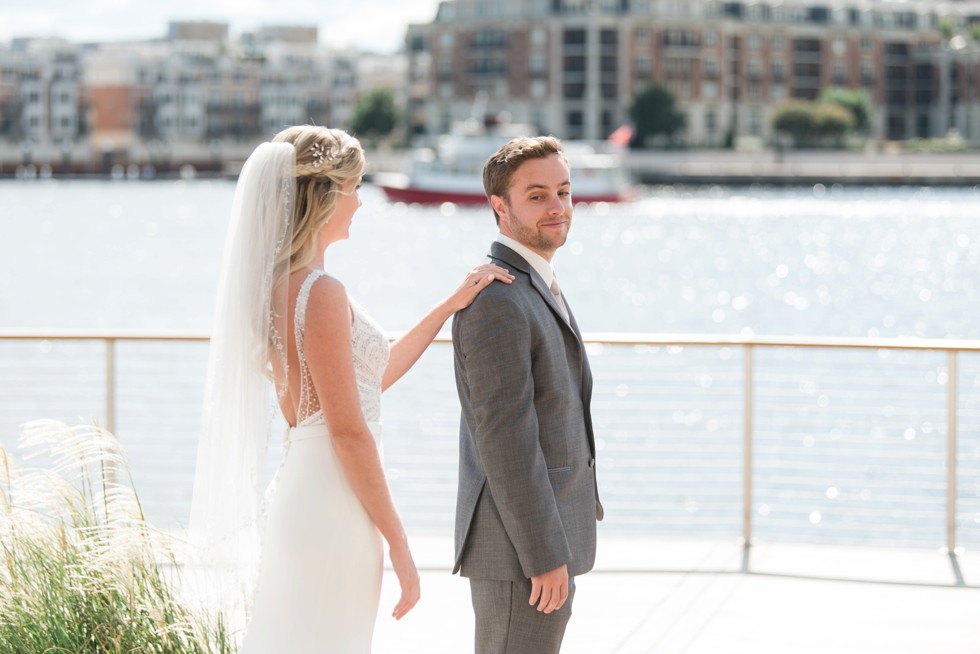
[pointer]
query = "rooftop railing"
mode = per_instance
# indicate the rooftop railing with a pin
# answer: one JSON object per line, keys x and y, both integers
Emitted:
{"x": 748, "y": 346}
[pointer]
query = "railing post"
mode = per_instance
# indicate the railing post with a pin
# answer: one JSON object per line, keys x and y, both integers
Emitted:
{"x": 110, "y": 385}
{"x": 951, "y": 450}
{"x": 747, "y": 447}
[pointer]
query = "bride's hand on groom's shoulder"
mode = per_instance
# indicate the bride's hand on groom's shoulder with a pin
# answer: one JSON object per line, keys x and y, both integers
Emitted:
{"x": 408, "y": 578}
{"x": 475, "y": 281}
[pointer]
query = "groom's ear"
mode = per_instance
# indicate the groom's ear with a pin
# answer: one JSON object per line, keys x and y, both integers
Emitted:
{"x": 498, "y": 204}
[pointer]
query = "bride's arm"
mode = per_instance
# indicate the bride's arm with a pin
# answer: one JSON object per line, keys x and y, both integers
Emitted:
{"x": 327, "y": 346}
{"x": 407, "y": 349}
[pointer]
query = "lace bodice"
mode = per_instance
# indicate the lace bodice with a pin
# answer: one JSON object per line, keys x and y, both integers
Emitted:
{"x": 370, "y": 349}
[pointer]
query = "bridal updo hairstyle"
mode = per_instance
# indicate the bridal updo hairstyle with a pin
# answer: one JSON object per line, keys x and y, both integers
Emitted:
{"x": 326, "y": 159}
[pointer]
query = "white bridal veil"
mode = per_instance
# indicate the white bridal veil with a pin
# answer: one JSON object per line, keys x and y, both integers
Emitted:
{"x": 240, "y": 396}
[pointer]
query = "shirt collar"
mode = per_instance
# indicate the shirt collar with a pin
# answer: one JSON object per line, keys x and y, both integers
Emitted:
{"x": 539, "y": 263}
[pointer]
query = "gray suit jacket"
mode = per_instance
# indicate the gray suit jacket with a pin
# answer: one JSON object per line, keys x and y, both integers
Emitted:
{"x": 527, "y": 500}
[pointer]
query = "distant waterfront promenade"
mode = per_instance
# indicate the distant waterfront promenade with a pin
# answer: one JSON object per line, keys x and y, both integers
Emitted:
{"x": 785, "y": 168}
{"x": 805, "y": 167}
{"x": 648, "y": 167}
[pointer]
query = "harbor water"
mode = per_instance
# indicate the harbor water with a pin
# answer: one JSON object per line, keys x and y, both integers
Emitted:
{"x": 849, "y": 445}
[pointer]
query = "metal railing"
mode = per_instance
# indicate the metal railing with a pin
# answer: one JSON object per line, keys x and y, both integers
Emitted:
{"x": 748, "y": 345}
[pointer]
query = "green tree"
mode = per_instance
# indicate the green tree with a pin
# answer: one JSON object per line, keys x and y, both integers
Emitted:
{"x": 946, "y": 29}
{"x": 795, "y": 119}
{"x": 832, "y": 121}
{"x": 654, "y": 113}
{"x": 375, "y": 115}
{"x": 813, "y": 123}
{"x": 856, "y": 101}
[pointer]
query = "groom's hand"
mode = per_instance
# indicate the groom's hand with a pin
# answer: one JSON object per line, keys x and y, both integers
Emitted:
{"x": 550, "y": 590}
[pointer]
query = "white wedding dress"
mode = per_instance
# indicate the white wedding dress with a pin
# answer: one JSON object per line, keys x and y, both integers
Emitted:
{"x": 320, "y": 574}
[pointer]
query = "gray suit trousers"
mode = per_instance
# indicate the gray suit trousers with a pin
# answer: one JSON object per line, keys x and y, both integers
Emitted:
{"x": 507, "y": 624}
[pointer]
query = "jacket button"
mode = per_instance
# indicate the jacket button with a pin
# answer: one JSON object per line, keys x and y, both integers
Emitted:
{"x": 592, "y": 463}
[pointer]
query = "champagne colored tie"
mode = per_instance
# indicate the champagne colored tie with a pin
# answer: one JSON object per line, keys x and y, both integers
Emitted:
{"x": 557, "y": 293}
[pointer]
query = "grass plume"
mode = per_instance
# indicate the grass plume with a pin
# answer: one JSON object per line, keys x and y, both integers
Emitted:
{"x": 81, "y": 571}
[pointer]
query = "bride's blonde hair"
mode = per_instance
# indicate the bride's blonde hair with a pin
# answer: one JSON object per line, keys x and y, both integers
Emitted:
{"x": 326, "y": 159}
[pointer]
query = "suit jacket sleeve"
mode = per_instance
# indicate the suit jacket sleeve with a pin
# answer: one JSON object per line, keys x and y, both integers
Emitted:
{"x": 497, "y": 341}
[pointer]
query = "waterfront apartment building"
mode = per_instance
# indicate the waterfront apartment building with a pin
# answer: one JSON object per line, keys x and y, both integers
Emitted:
{"x": 573, "y": 67}
{"x": 195, "y": 96}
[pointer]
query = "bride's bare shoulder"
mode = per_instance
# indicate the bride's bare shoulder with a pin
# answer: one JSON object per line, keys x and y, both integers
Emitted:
{"x": 327, "y": 297}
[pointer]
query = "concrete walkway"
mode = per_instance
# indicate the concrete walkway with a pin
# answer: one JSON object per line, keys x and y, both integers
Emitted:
{"x": 708, "y": 597}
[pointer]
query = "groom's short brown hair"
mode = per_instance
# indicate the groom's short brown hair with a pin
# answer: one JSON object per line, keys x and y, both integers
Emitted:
{"x": 500, "y": 167}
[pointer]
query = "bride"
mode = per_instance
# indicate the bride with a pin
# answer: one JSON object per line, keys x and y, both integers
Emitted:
{"x": 286, "y": 333}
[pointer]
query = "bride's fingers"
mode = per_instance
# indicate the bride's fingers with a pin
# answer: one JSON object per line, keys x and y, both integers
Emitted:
{"x": 409, "y": 599}
{"x": 483, "y": 278}
{"x": 488, "y": 268}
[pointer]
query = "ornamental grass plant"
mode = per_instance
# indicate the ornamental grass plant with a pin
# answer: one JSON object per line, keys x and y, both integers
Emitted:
{"x": 81, "y": 571}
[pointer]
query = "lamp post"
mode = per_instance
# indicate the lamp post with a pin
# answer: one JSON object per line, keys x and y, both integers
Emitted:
{"x": 27, "y": 151}
{"x": 66, "y": 146}
{"x": 27, "y": 158}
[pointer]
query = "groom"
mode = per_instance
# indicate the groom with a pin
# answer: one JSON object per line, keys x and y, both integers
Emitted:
{"x": 527, "y": 503}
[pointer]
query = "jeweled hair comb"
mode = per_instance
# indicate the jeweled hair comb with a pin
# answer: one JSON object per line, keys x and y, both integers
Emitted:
{"x": 319, "y": 154}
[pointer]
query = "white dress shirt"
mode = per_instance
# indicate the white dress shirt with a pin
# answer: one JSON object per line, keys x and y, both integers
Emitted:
{"x": 539, "y": 263}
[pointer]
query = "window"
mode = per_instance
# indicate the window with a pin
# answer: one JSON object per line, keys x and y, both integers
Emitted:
{"x": 641, "y": 66}
{"x": 490, "y": 39}
{"x": 574, "y": 37}
{"x": 575, "y": 64}
{"x": 538, "y": 63}
{"x": 711, "y": 68}
{"x": 867, "y": 73}
{"x": 445, "y": 68}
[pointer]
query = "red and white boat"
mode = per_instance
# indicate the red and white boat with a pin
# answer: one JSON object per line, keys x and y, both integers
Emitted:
{"x": 452, "y": 169}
